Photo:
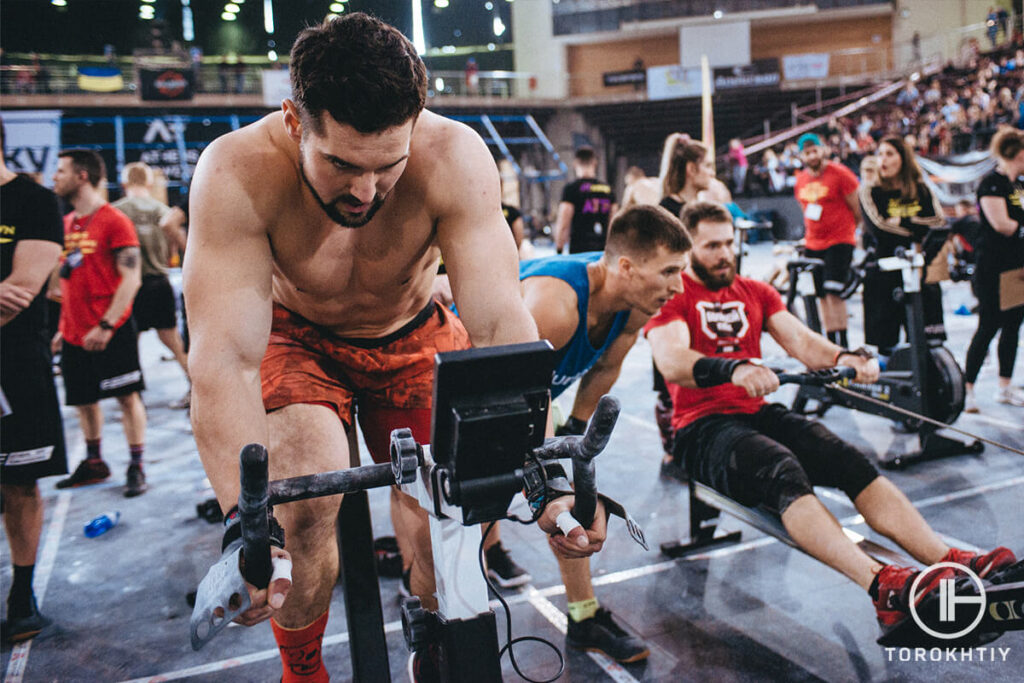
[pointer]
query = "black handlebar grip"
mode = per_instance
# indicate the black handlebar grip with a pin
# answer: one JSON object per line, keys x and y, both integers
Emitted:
{"x": 253, "y": 501}
{"x": 600, "y": 429}
{"x": 593, "y": 442}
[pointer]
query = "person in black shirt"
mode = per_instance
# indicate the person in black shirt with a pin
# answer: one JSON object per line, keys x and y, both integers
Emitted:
{"x": 898, "y": 211}
{"x": 586, "y": 207}
{"x": 999, "y": 248}
{"x": 31, "y": 430}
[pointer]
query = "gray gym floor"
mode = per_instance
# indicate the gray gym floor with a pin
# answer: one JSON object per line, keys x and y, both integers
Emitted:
{"x": 750, "y": 612}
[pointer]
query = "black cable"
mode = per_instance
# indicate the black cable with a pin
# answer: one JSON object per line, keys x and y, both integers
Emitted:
{"x": 510, "y": 641}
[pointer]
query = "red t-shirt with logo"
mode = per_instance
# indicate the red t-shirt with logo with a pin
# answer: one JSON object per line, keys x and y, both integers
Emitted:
{"x": 836, "y": 223}
{"x": 726, "y": 323}
{"x": 91, "y": 242}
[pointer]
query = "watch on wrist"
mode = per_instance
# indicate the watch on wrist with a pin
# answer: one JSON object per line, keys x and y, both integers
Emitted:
{"x": 104, "y": 325}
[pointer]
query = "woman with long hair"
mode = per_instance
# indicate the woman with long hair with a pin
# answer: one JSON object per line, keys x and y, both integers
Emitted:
{"x": 689, "y": 171}
{"x": 899, "y": 211}
{"x": 1000, "y": 248}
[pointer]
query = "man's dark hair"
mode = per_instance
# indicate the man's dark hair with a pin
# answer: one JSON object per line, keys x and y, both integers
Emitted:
{"x": 89, "y": 161}
{"x": 695, "y": 212}
{"x": 361, "y": 71}
{"x": 586, "y": 156}
{"x": 641, "y": 229}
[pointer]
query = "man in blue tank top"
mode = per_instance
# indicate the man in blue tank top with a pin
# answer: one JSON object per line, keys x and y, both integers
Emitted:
{"x": 591, "y": 307}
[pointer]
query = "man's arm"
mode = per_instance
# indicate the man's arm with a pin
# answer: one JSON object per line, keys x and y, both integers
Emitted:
{"x": 479, "y": 252}
{"x": 173, "y": 227}
{"x": 563, "y": 225}
{"x": 600, "y": 379}
{"x": 129, "y": 267}
{"x": 814, "y": 350}
{"x": 853, "y": 201}
{"x": 227, "y": 286}
{"x": 34, "y": 260}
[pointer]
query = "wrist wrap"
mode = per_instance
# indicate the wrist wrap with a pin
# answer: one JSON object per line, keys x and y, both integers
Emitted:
{"x": 711, "y": 372}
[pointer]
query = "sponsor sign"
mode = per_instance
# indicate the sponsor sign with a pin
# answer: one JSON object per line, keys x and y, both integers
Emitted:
{"x": 166, "y": 84}
{"x": 762, "y": 73}
{"x": 797, "y": 67}
{"x": 33, "y": 141}
{"x": 277, "y": 87}
{"x": 631, "y": 77}
{"x": 673, "y": 82}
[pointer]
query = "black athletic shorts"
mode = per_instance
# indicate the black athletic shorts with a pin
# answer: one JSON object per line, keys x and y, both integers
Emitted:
{"x": 743, "y": 457}
{"x": 32, "y": 436}
{"x": 114, "y": 371}
{"x": 154, "y": 307}
{"x": 833, "y": 278}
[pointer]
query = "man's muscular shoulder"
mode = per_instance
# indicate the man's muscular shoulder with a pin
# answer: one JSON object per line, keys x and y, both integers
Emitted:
{"x": 251, "y": 168}
{"x": 449, "y": 159}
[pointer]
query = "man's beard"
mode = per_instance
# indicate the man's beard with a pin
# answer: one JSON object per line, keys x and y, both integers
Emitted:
{"x": 332, "y": 210}
{"x": 713, "y": 281}
{"x": 816, "y": 167}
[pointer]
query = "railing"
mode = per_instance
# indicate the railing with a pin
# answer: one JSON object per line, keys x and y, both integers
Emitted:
{"x": 499, "y": 84}
{"x": 589, "y": 16}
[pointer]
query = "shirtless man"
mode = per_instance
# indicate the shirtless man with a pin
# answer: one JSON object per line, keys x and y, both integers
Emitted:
{"x": 316, "y": 234}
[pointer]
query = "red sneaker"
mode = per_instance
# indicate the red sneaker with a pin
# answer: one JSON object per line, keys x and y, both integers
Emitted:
{"x": 894, "y": 583}
{"x": 982, "y": 565}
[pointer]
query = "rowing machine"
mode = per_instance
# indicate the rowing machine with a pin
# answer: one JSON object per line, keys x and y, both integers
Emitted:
{"x": 918, "y": 379}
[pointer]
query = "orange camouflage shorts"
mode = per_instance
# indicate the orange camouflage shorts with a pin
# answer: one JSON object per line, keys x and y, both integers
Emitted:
{"x": 390, "y": 379}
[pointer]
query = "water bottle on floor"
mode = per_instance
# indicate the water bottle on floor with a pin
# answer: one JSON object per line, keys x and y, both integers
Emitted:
{"x": 102, "y": 524}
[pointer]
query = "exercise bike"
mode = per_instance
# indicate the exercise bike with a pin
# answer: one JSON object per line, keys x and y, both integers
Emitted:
{"x": 919, "y": 380}
{"x": 487, "y": 444}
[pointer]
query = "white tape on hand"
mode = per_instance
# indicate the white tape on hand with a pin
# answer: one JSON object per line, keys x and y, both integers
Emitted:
{"x": 282, "y": 569}
{"x": 566, "y": 522}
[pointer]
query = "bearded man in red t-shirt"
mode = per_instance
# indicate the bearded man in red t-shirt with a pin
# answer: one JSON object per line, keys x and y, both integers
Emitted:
{"x": 707, "y": 343}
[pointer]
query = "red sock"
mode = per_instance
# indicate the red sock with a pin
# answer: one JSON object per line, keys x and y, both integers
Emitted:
{"x": 300, "y": 652}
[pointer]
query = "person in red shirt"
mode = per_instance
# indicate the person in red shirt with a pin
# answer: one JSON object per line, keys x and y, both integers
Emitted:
{"x": 707, "y": 343}
{"x": 827, "y": 193}
{"x": 99, "y": 278}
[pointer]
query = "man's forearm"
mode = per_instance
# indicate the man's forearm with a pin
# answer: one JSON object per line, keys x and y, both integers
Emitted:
{"x": 593, "y": 386}
{"x": 227, "y": 413}
{"x": 123, "y": 297}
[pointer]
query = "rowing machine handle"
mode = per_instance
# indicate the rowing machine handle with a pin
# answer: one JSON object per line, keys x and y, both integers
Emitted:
{"x": 593, "y": 442}
{"x": 817, "y": 377}
{"x": 253, "y": 500}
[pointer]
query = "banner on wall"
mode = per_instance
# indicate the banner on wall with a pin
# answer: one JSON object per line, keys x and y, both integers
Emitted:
{"x": 277, "y": 87}
{"x": 32, "y": 142}
{"x": 631, "y": 77}
{"x": 761, "y": 73}
{"x": 166, "y": 84}
{"x": 672, "y": 82}
{"x": 797, "y": 67}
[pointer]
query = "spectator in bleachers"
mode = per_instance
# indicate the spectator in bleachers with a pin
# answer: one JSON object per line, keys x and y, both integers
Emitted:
{"x": 738, "y": 165}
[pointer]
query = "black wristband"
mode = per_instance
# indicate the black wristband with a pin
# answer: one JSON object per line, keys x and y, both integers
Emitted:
{"x": 711, "y": 372}
{"x": 104, "y": 325}
{"x": 572, "y": 426}
{"x": 233, "y": 529}
{"x": 860, "y": 352}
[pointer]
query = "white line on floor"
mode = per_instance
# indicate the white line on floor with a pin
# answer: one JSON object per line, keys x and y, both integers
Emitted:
{"x": 44, "y": 568}
{"x": 645, "y": 422}
{"x": 992, "y": 420}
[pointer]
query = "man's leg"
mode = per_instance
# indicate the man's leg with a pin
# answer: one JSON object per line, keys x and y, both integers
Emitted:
{"x": 889, "y": 512}
{"x": 23, "y": 521}
{"x": 816, "y": 531}
{"x": 133, "y": 419}
{"x": 833, "y": 309}
{"x": 305, "y": 439}
{"x": 90, "y": 419}
{"x": 172, "y": 340}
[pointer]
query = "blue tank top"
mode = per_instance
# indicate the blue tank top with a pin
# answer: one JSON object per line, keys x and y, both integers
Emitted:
{"x": 578, "y": 356}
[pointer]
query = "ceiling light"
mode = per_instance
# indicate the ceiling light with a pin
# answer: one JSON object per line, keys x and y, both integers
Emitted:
{"x": 227, "y": 16}
{"x": 336, "y": 7}
{"x": 59, "y": 3}
{"x": 232, "y": 7}
{"x": 272, "y": 55}
{"x": 499, "y": 26}
{"x": 440, "y": 4}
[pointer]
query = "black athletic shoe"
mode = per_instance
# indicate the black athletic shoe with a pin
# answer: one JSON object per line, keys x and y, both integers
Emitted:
{"x": 503, "y": 570}
{"x": 17, "y": 629}
{"x": 600, "y": 633}
{"x": 136, "y": 484}
{"x": 87, "y": 472}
